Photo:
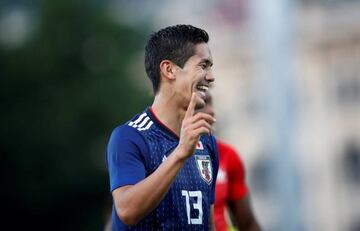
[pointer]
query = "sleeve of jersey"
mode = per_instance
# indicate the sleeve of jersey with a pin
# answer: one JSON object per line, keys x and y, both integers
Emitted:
{"x": 126, "y": 153}
{"x": 237, "y": 184}
{"x": 215, "y": 163}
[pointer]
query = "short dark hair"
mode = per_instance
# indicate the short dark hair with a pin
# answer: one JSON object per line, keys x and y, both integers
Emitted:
{"x": 174, "y": 43}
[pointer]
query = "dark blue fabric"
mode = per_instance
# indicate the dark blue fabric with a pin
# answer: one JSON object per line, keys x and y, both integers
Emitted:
{"x": 137, "y": 148}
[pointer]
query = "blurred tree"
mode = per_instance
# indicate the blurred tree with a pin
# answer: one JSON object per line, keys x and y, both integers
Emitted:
{"x": 61, "y": 94}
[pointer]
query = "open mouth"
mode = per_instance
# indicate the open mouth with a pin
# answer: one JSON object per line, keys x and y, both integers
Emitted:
{"x": 202, "y": 89}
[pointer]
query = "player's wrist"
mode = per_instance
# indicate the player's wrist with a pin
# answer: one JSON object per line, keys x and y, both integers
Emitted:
{"x": 180, "y": 153}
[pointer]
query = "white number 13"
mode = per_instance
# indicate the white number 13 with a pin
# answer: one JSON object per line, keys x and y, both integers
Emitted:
{"x": 197, "y": 206}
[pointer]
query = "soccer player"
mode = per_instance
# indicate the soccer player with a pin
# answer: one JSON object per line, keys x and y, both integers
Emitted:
{"x": 231, "y": 189}
{"x": 163, "y": 162}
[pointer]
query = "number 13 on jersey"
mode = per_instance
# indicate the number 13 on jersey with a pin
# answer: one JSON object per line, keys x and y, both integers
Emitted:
{"x": 197, "y": 195}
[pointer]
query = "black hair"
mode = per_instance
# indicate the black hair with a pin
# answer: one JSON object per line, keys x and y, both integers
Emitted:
{"x": 174, "y": 43}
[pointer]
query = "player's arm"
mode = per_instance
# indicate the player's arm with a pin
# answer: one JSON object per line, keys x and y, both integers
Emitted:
{"x": 211, "y": 219}
{"x": 239, "y": 203}
{"x": 212, "y": 197}
{"x": 133, "y": 202}
{"x": 242, "y": 215}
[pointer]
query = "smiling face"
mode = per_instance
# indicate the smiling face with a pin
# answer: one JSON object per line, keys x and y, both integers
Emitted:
{"x": 195, "y": 76}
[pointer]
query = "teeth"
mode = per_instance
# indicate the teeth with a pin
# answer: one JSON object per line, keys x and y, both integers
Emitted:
{"x": 204, "y": 88}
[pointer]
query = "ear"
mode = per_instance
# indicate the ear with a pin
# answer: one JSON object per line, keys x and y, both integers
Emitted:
{"x": 167, "y": 69}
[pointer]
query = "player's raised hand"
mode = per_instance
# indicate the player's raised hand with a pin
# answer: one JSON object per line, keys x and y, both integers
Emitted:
{"x": 192, "y": 127}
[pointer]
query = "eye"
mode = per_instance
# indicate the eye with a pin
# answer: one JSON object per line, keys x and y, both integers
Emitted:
{"x": 203, "y": 66}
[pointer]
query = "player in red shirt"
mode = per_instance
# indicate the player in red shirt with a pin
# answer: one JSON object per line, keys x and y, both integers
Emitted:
{"x": 231, "y": 191}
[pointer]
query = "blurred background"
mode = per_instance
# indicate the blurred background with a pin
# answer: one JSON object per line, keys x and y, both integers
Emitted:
{"x": 287, "y": 96}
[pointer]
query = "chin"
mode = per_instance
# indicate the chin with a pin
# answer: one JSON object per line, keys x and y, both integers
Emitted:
{"x": 200, "y": 104}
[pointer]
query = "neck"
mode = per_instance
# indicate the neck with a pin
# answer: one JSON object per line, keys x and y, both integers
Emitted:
{"x": 168, "y": 112}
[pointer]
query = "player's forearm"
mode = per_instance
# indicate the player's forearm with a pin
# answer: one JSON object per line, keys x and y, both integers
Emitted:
{"x": 211, "y": 219}
{"x": 252, "y": 226}
{"x": 243, "y": 216}
{"x": 247, "y": 223}
{"x": 255, "y": 226}
{"x": 136, "y": 201}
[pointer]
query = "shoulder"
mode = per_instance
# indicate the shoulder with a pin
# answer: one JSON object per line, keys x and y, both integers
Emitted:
{"x": 141, "y": 122}
{"x": 134, "y": 127}
{"x": 133, "y": 130}
{"x": 124, "y": 132}
{"x": 124, "y": 138}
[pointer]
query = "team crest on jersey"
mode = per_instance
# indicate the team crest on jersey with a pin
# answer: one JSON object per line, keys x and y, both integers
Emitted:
{"x": 203, "y": 163}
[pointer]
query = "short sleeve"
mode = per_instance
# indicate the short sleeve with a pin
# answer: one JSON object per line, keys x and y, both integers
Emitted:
{"x": 237, "y": 184}
{"x": 126, "y": 154}
{"x": 215, "y": 164}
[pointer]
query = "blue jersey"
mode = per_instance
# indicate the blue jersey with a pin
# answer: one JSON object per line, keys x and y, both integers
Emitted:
{"x": 137, "y": 148}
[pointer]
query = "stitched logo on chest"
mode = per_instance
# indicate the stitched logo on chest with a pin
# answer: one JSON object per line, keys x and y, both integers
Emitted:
{"x": 203, "y": 163}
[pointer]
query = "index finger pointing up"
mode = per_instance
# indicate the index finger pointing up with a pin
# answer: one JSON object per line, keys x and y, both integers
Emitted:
{"x": 191, "y": 108}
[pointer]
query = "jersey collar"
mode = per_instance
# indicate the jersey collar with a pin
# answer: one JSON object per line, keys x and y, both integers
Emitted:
{"x": 160, "y": 124}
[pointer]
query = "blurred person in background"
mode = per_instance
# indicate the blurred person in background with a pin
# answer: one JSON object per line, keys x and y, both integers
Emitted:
{"x": 163, "y": 163}
{"x": 232, "y": 192}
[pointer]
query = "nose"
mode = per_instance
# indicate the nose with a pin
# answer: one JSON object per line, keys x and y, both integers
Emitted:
{"x": 210, "y": 76}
